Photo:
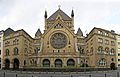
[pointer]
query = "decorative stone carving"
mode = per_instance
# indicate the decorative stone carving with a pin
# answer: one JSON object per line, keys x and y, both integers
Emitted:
{"x": 58, "y": 40}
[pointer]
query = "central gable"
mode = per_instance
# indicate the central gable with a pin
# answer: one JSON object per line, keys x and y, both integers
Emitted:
{"x": 58, "y": 25}
{"x": 57, "y": 13}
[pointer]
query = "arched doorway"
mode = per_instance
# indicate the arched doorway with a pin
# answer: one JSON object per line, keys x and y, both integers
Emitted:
{"x": 46, "y": 63}
{"x": 7, "y": 63}
{"x": 58, "y": 63}
{"x": 15, "y": 63}
{"x": 112, "y": 66}
{"x": 70, "y": 63}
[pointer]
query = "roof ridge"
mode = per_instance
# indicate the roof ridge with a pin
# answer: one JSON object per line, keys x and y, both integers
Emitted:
{"x": 62, "y": 14}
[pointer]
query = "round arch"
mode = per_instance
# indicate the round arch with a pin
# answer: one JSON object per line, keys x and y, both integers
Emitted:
{"x": 70, "y": 62}
{"x": 46, "y": 63}
{"x": 16, "y": 51}
{"x": 16, "y": 63}
{"x": 7, "y": 63}
{"x": 112, "y": 66}
{"x": 58, "y": 63}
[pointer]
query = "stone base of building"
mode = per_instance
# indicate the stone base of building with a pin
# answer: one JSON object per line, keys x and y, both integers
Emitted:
{"x": 61, "y": 69}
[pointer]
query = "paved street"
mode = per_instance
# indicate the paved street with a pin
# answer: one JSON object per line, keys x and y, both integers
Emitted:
{"x": 58, "y": 74}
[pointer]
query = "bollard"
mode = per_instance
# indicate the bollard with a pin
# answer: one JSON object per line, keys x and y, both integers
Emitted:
{"x": 51, "y": 76}
{"x": 89, "y": 75}
{"x": 71, "y": 76}
{"x": 4, "y": 74}
{"x": 117, "y": 74}
{"x": 32, "y": 75}
{"x": 61, "y": 72}
{"x": 105, "y": 75}
{"x": 16, "y": 75}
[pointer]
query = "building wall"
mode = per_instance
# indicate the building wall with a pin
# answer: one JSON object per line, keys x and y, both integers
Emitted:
{"x": 1, "y": 49}
{"x": 51, "y": 53}
{"x": 21, "y": 40}
{"x": 118, "y": 50}
{"x": 97, "y": 38}
{"x": 97, "y": 49}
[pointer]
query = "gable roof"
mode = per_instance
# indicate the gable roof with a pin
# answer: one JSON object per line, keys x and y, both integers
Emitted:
{"x": 61, "y": 13}
{"x": 55, "y": 25}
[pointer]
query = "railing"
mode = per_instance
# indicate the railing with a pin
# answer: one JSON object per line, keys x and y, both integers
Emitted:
{"x": 62, "y": 74}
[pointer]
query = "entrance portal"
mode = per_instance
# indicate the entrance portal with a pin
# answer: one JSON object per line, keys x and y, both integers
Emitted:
{"x": 112, "y": 66}
{"x": 7, "y": 63}
{"x": 16, "y": 64}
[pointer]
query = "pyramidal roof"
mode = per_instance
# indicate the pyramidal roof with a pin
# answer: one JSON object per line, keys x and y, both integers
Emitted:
{"x": 38, "y": 32}
{"x": 8, "y": 31}
{"x": 79, "y": 32}
{"x": 61, "y": 13}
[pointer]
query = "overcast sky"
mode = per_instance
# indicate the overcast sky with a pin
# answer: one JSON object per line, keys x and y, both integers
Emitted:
{"x": 29, "y": 14}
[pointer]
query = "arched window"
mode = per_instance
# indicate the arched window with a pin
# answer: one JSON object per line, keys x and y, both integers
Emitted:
{"x": 106, "y": 50}
{"x": 7, "y": 53}
{"x": 81, "y": 50}
{"x": 71, "y": 62}
{"x": 25, "y": 50}
{"x": 102, "y": 62}
{"x": 112, "y": 52}
{"x": 100, "y": 49}
{"x": 46, "y": 63}
{"x": 58, "y": 63}
{"x": 15, "y": 51}
{"x": 91, "y": 50}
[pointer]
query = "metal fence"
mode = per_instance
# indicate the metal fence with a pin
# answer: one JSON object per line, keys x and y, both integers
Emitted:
{"x": 8, "y": 73}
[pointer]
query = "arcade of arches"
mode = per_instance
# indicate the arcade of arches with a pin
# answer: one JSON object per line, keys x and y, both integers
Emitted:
{"x": 58, "y": 63}
{"x": 15, "y": 63}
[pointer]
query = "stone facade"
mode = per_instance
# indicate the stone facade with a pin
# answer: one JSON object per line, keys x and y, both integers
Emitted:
{"x": 59, "y": 46}
{"x": 17, "y": 45}
{"x": 1, "y": 48}
{"x": 118, "y": 50}
{"x": 101, "y": 48}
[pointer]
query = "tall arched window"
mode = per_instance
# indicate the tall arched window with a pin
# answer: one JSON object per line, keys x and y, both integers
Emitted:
{"x": 7, "y": 53}
{"x": 15, "y": 51}
{"x": 106, "y": 50}
{"x": 102, "y": 62}
{"x": 91, "y": 50}
{"x": 100, "y": 49}
{"x": 112, "y": 52}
